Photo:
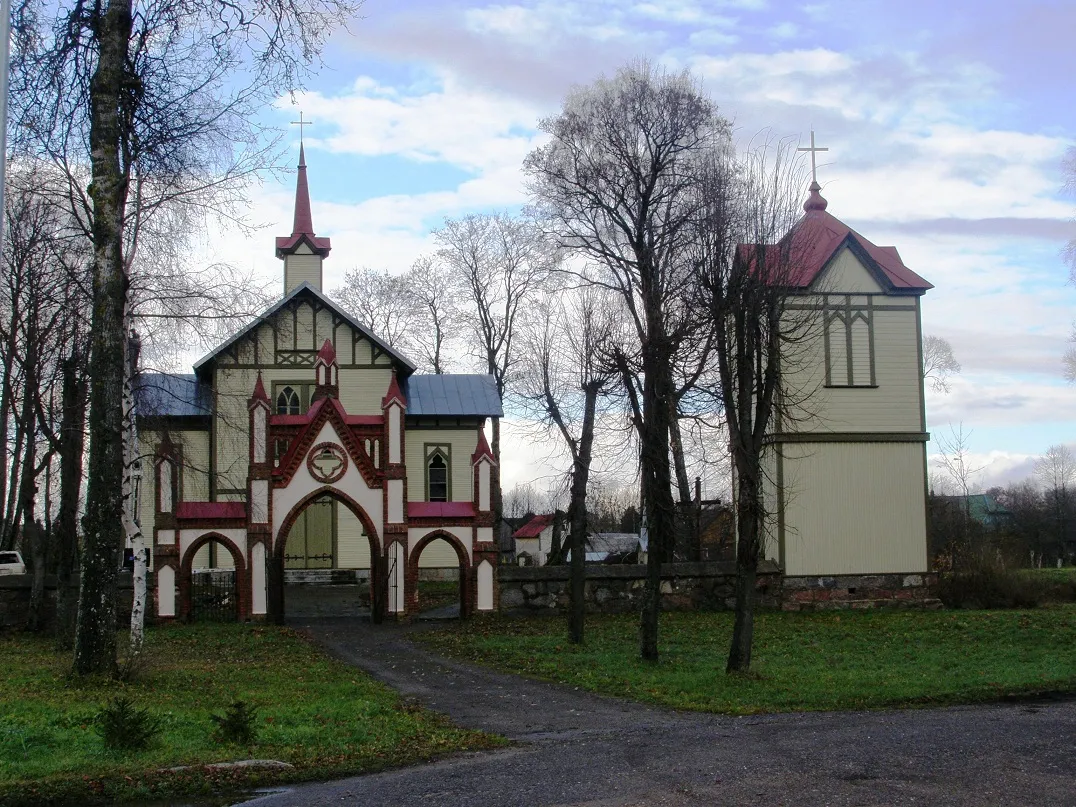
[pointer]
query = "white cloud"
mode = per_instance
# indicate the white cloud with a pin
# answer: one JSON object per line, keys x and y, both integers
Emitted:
{"x": 462, "y": 125}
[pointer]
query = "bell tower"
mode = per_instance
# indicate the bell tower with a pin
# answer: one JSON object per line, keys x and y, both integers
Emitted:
{"x": 302, "y": 251}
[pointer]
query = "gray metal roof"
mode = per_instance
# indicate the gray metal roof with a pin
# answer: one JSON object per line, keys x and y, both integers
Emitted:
{"x": 166, "y": 395}
{"x": 335, "y": 306}
{"x": 452, "y": 395}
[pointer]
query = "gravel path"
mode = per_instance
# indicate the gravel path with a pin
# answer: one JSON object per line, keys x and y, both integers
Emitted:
{"x": 581, "y": 749}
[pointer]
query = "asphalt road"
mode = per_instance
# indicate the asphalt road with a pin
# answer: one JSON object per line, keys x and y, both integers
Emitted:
{"x": 580, "y": 749}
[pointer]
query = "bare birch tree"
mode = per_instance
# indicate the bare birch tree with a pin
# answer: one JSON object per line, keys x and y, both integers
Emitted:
{"x": 166, "y": 92}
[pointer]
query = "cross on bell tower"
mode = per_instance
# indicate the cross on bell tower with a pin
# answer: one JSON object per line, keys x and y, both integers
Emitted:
{"x": 813, "y": 149}
{"x": 814, "y": 202}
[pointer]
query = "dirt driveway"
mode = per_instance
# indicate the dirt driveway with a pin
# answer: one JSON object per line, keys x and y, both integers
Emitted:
{"x": 577, "y": 748}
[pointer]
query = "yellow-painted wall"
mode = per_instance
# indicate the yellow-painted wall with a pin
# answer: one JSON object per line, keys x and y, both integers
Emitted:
{"x": 854, "y": 508}
{"x": 302, "y": 268}
{"x": 463, "y": 443}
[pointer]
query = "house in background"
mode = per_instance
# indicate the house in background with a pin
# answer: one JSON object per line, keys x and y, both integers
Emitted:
{"x": 613, "y": 547}
{"x": 982, "y": 508}
{"x": 534, "y": 540}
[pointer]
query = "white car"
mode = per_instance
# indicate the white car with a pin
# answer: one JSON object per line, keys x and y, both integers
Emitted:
{"x": 11, "y": 563}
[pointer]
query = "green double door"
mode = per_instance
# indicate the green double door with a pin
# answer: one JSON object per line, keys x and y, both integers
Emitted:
{"x": 312, "y": 540}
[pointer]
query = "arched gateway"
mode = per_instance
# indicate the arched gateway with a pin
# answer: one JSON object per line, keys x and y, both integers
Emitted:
{"x": 305, "y": 444}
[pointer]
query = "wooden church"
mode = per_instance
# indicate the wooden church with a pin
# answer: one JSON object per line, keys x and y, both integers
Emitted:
{"x": 306, "y": 442}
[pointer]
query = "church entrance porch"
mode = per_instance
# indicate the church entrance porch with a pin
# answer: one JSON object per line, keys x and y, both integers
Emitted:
{"x": 323, "y": 528}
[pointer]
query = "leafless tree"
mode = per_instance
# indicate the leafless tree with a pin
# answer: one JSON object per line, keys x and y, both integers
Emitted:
{"x": 499, "y": 261}
{"x": 417, "y": 312}
{"x": 939, "y": 363}
{"x": 380, "y": 301}
{"x": 568, "y": 353}
{"x": 159, "y": 91}
{"x": 438, "y": 320}
{"x": 749, "y": 251}
{"x": 1056, "y": 470}
{"x": 955, "y": 460}
{"x": 617, "y": 182}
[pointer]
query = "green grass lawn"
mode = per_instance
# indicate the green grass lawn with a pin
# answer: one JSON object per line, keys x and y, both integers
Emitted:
{"x": 822, "y": 660}
{"x": 325, "y": 718}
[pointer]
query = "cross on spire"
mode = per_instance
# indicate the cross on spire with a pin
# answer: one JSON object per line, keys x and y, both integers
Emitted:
{"x": 813, "y": 149}
{"x": 301, "y": 123}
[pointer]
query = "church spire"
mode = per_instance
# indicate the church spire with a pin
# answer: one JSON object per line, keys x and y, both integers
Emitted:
{"x": 304, "y": 220}
{"x": 302, "y": 251}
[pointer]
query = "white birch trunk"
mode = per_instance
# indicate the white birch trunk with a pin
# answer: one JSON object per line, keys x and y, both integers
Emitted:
{"x": 131, "y": 526}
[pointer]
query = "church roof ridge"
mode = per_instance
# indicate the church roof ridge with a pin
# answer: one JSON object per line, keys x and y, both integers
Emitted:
{"x": 306, "y": 288}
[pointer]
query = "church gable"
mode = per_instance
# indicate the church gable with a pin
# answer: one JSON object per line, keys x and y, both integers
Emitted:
{"x": 291, "y": 332}
{"x": 846, "y": 273}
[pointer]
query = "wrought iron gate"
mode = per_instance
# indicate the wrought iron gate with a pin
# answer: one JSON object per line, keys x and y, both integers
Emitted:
{"x": 214, "y": 596}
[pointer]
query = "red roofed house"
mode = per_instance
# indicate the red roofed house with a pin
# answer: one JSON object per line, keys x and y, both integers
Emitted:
{"x": 535, "y": 538}
{"x": 846, "y": 481}
{"x": 307, "y": 445}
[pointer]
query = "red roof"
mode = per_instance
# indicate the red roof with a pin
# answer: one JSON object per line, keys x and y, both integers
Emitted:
{"x": 211, "y": 510}
{"x": 534, "y": 527}
{"x": 303, "y": 225}
{"x": 440, "y": 510}
{"x": 815, "y": 239}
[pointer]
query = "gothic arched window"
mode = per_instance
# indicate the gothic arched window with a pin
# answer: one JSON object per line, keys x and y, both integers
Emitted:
{"x": 437, "y": 478}
{"x": 287, "y": 402}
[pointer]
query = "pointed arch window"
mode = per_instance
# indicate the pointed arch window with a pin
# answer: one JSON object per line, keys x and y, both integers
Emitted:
{"x": 849, "y": 342}
{"x": 437, "y": 467}
{"x": 288, "y": 402}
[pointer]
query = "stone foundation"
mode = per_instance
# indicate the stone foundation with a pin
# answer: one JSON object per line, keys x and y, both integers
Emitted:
{"x": 862, "y": 591}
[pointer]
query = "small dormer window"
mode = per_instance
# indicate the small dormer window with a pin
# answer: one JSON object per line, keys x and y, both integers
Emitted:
{"x": 437, "y": 478}
{"x": 288, "y": 402}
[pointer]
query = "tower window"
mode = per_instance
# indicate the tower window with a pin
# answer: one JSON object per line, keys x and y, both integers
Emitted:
{"x": 437, "y": 478}
{"x": 287, "y": 402}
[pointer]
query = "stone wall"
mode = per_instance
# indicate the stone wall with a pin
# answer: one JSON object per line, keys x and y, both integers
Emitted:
{"x": 618, "y": 588}
{"x": 15, "y": 600}
{"x": 709, "y": 587}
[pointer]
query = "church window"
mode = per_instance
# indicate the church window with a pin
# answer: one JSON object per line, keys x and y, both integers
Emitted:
{"x": 849, "y": 343}
{"x": 437, "y": 462}
{"x": 287, "y": 402}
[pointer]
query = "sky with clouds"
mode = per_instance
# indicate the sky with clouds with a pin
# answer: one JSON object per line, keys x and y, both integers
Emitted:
{"x": 946, "y": 125}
